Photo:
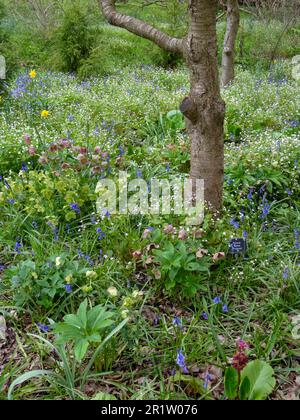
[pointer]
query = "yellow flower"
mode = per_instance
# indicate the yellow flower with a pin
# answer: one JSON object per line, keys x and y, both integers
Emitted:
{"x": 124, "y": 313}
{"x": 44, "y": 113}
{"x": 34, "y": 275}
{"x": 69, "y": 278}
{"x": 32, "y": 74}
{"x": 86, "y": 289}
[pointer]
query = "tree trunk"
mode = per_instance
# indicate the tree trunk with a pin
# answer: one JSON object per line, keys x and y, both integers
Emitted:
{"x": 233, "y": 21}
{"x": 204, "y": 108}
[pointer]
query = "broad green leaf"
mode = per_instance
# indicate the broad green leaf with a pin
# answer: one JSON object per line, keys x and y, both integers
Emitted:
{"x": 231, "y": 383}
{"x": 245, "y": 389}
{"x": 261, "y": 377}
{"x": 81, "y": 313}
{"x": 80, "y": 348}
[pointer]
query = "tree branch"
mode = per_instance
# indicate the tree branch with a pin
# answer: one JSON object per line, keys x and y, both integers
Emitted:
{"x": 140, "y": 28}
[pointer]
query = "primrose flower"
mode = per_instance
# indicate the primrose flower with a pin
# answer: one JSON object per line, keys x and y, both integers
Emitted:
{"x": 69, "y": 278}
{"x": 45, "y": 113}
{"x": 112, "y": 291}
{"x": 91, "y": 274}
{"x": 58, "y": 261}
{"x": 124, "y": 313}
{"x": 32, "y": 74}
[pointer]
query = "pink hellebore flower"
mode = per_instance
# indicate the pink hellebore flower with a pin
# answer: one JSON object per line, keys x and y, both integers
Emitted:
{"x": 218, "y": 256}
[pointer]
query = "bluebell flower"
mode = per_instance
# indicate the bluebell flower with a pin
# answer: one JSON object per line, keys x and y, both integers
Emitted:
{"x": 24, "y": 167}
{"x": 75, "y": 207}
{"x": 286, "y": 273}
{"x": 250, "y": 194}
{"x": 101, "y": 235}
{"x": 225, "y": 309}
{"x": 204, "y": 316}
{"x": 217, "y": 300}
{"x": 180, "y": 361}
{"x": 208, "y": 378}
{"x": 245, "y": 234}
{"x": 234, "y": 223}
{"x": 177, "y": 322}
{"x": 44, "y": 328}
{"x": 68, "y": 288}
{"x": 11, "y": 201}
{"x": 17, "y": 247}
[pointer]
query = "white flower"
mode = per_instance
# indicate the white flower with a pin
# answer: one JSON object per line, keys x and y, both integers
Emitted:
{"x": 58, "y": 261}
{"x": 91, "y": 274}
{"x": 112, "y": 291}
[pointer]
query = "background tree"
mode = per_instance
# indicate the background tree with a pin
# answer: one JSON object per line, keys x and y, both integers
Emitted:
{"x": 228, "y": 55}
{"x": 204, "y": 108}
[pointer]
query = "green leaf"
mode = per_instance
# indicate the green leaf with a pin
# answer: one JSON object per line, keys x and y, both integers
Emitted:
{"x": 81, "y": 313}
{"x": 231, "y": 383}
{"x": 80, "y": 348}
{"x": 26, "y": 377}
{"x": 245, "y": 389}
{"x": 261, "y": 377}
{"x": 104, "y": 396}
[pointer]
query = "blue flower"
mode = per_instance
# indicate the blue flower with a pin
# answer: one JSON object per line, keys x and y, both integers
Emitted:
{"x": 204, "y": 316}
{"x": 17, "y": 247}
{"x": 286, "y": 273}
{"x": 177, "y": 322}
{"x": 217, "y": 300}
{"x": 44, "y": 328}
{"x": 75, "y": 207}
{"x": 225, "y": 309}
{"x": 101, "y": 235}
{"x": 68, "y": 288}
{"x": 180, "y": 361}
{"x": 234, "y": 223}
{"x": 208, "y": 378}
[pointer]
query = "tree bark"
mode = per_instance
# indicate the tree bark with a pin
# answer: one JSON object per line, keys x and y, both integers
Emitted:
{"x": 204, "y": 108}
{"x": 228, "y": 57}
{"x": 140, "y": 28}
